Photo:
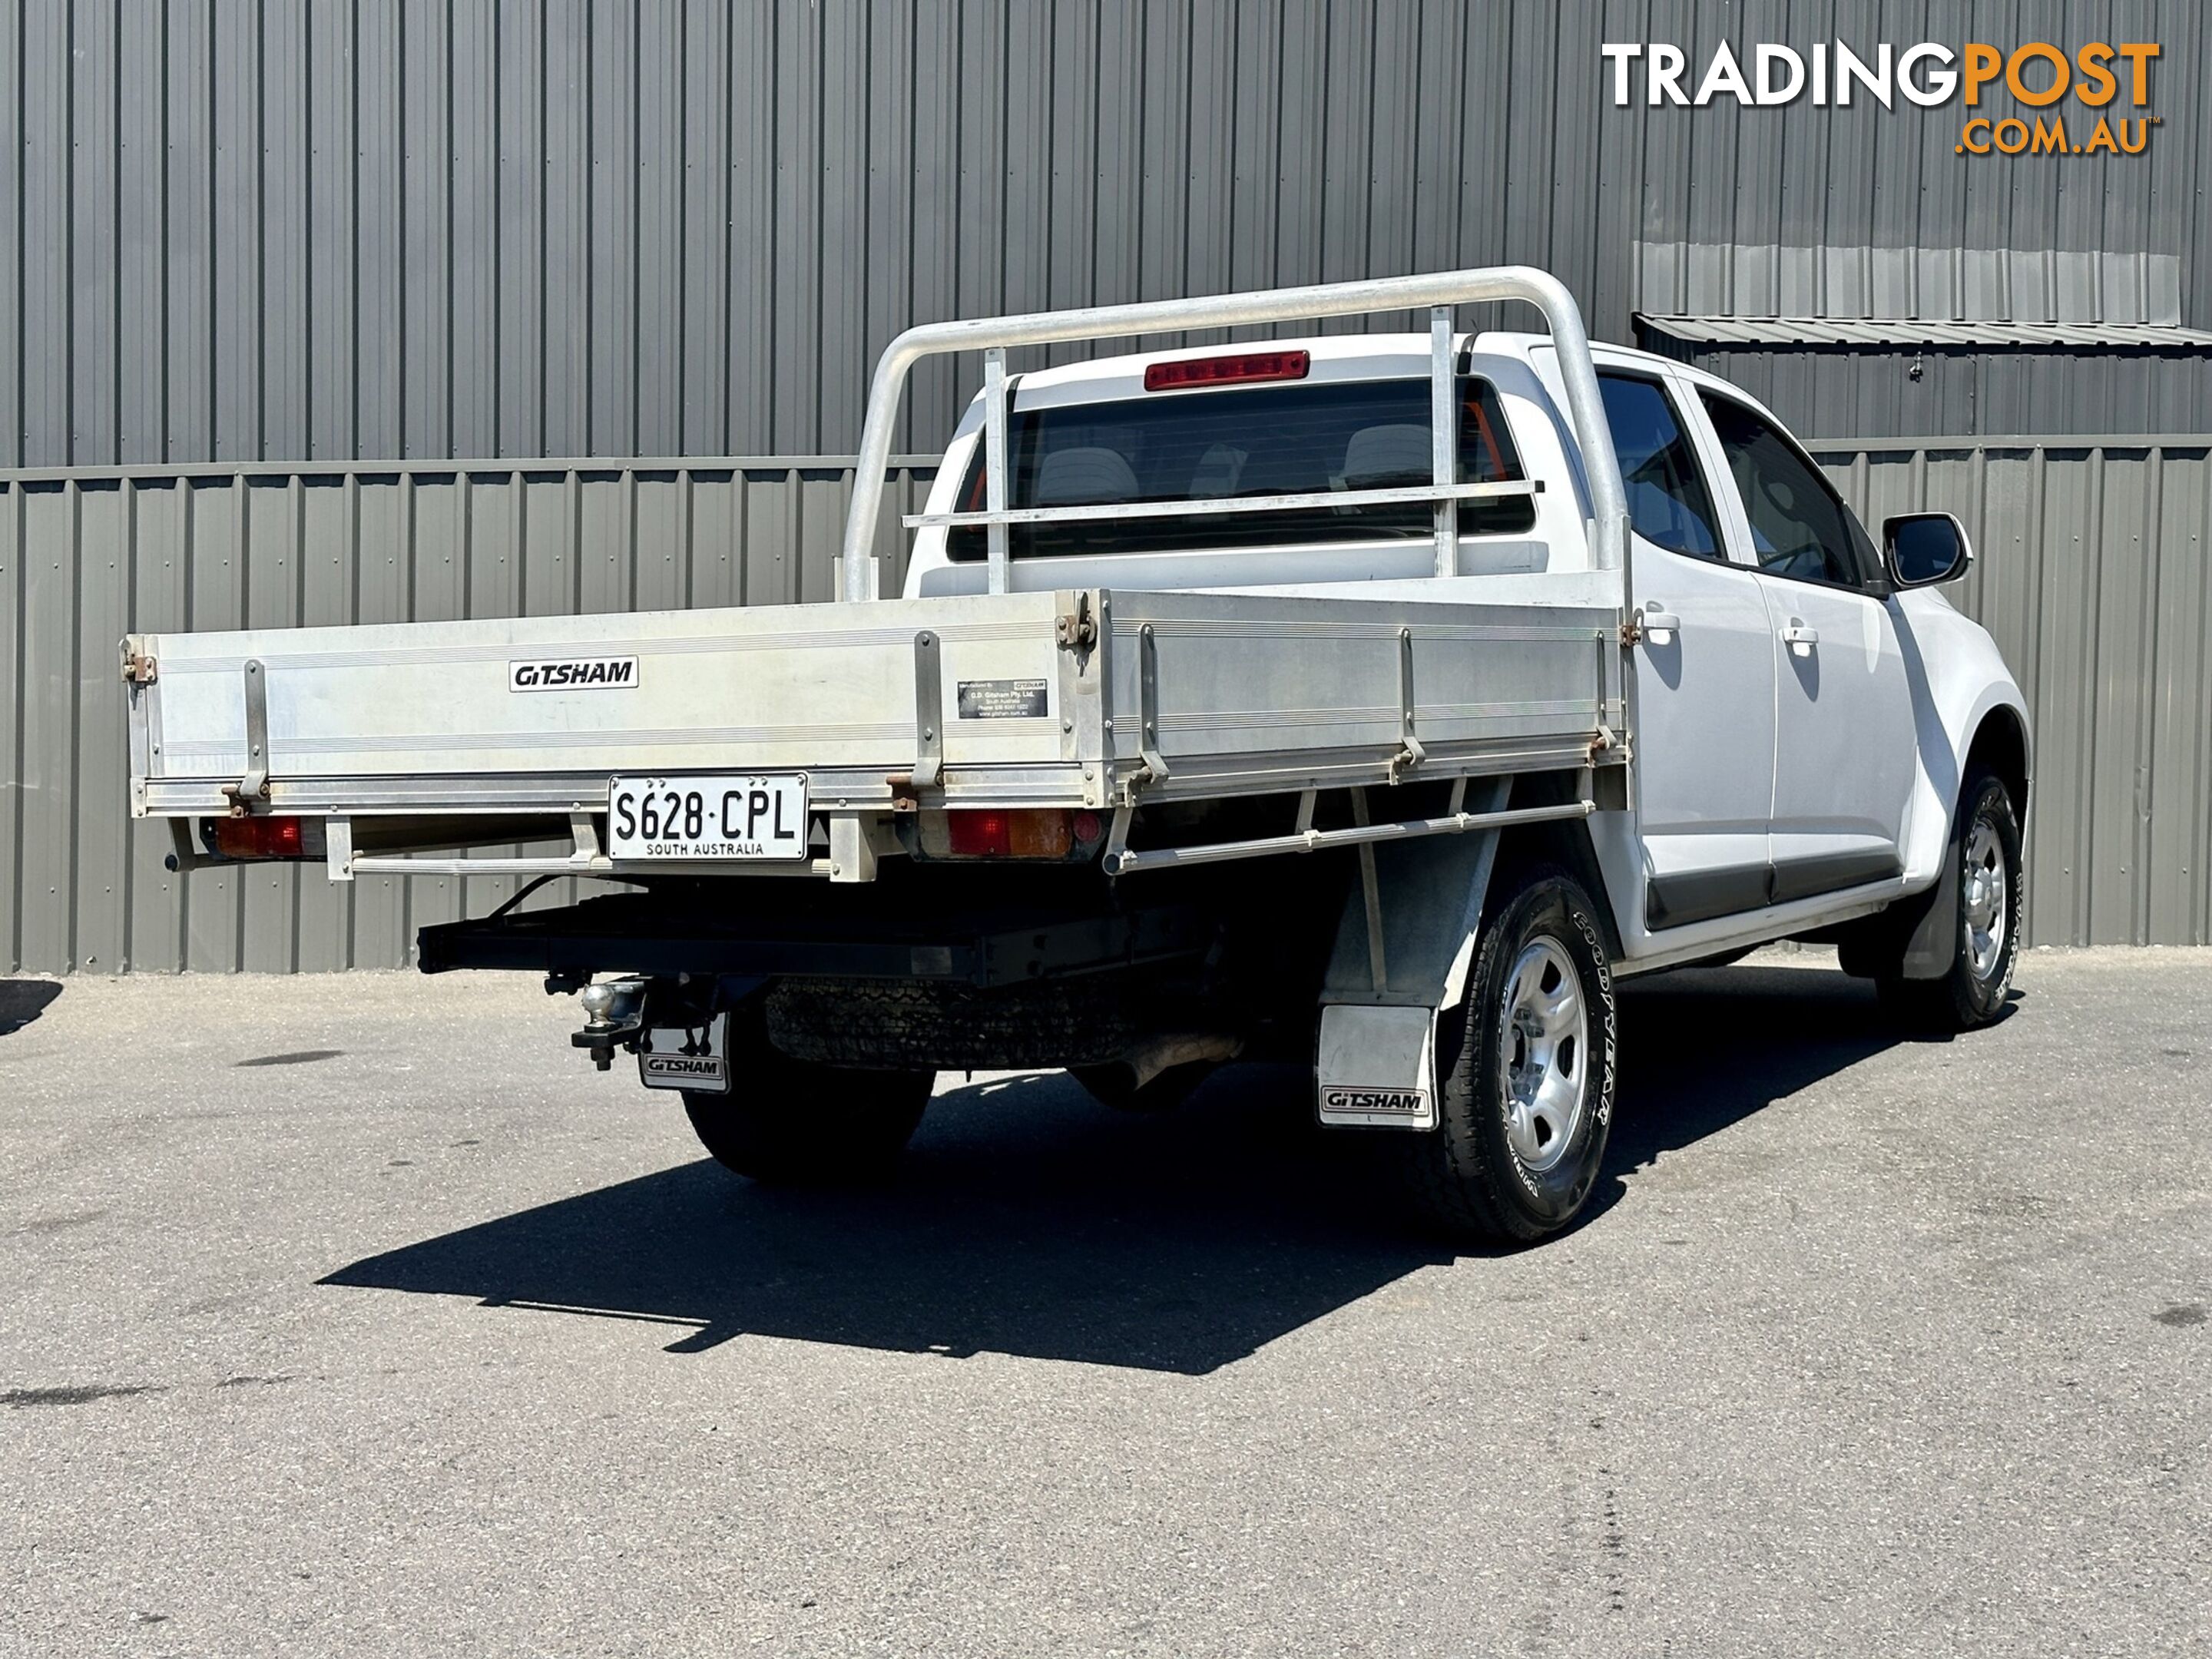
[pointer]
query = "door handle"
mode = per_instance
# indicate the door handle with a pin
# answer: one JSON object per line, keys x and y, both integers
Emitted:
{"x": 1800, "y": 638}
{"x": 1660, "y": 624}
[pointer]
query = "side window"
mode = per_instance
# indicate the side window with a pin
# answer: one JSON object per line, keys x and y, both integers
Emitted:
{"x": 1798, "y": 526}
{"x": 1668, "y": 502}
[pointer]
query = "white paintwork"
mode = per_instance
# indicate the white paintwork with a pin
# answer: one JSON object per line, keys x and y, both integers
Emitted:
{"x": 1705, "y": 716}
{"x": 1748, "y": 750}
{"x": 1958, "y": 679}
{"x": 1844, "y": 728}
{"x": 1839, "y": 691}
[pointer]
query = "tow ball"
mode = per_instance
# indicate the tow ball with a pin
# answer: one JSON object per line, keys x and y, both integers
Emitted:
{"x": 612, "y": 1019}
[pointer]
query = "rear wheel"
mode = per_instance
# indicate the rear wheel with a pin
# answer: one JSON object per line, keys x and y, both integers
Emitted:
{"x": 1528, "y": 1103}
{"x": 798, "y": 1124}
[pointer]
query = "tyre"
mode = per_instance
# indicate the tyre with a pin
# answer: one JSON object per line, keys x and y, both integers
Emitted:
{"x": 797, "y": 1123}
{"x": 1117, "y": 1086}
{"x": 1528, "y": 1102}
{"x": 1985, "y": 935}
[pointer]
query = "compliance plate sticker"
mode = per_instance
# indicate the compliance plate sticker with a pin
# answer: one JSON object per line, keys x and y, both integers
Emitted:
{"x": 1002, "y": 699}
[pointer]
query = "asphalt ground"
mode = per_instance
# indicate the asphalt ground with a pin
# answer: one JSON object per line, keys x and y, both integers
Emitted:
{"x": 357, "y": 1316}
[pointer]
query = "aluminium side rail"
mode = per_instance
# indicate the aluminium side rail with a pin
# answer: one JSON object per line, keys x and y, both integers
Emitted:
{"x": 1439, "y": 292}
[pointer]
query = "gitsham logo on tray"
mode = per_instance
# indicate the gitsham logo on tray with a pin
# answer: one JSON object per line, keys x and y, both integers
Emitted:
{"x": 1930, "y": 74}
{"x": 574, "y": 674}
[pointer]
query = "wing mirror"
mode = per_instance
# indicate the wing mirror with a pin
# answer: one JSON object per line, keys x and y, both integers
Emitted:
{"x": 1923, "y": 548}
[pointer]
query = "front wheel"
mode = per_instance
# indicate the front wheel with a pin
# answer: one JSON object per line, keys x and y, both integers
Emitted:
{"x": 799, "y": 1124}
{"x": 1528, "y": 1103}
{"x": 1985, "y": 933}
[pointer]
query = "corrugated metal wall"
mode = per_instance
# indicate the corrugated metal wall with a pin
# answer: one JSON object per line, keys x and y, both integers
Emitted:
{"x": 240, "y": 229}
{"x": 397, "y": 231}
{"x": 2091, "y": 573}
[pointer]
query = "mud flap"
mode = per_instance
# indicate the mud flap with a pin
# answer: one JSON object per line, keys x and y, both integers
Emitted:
{"x": 696, "y": 1059}
{"x": 1376, "y": 1068}
{"x": 1934, "y": 942}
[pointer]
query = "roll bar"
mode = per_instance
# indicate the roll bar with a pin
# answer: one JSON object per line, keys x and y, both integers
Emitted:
{"x": 1438, "y": 291}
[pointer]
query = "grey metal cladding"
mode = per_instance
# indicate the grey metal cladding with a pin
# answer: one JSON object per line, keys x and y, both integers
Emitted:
{"x": 262, "y": 230}
{"x": 350, "y": 239}
{"x": 2091, "y": 575}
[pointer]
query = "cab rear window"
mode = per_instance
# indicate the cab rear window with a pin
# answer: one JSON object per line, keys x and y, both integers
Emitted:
{"x": 1256, "y": 440}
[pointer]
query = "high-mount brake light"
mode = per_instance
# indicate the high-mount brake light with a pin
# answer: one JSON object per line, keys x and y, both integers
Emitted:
{"x": 1190, "y": 372}
{"x": 261, "y": 838}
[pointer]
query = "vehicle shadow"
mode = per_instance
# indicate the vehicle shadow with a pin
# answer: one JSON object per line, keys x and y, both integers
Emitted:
{"x": 22, "y": 1000}
{"x": 1703, "y": 1049}
{"x": 1027, "y": 1219}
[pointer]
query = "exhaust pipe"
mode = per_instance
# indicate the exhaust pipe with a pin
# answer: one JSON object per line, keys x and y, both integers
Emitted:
{"x": 1163, "y": 1053}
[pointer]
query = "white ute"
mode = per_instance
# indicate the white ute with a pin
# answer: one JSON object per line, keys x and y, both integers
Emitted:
{"x": 1374, "y": 701}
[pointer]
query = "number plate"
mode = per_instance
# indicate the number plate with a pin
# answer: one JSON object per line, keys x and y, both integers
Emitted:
{"x": 723, "y": 815}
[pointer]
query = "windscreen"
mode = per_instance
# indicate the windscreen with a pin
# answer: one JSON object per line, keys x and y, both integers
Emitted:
{"x": 1252, "y": 440}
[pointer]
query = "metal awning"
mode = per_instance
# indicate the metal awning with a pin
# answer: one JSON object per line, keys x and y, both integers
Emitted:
{"x": 1950, "y": 334}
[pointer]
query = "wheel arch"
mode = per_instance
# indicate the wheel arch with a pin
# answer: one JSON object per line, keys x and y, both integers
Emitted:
{"x": 1436, "y": 891}
{"x": 1566, "y": 842}
{"x": 1966, "y": 706}
{"x": 1999, "y": 742}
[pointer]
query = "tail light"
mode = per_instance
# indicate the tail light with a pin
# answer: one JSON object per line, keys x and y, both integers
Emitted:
{"x": 1190, "y": 372}
{"x": 1029, "y": 832}
{"x": 1018, "y": 833}
{"x": 264, "y": 838}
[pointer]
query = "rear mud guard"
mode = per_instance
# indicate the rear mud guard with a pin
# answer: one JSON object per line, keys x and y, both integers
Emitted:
{"x": 1403, "y": 946}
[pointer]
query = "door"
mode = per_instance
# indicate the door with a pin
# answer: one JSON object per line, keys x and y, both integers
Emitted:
{"x": 1704, "y": 673}
{"x": 1843, "y": 729}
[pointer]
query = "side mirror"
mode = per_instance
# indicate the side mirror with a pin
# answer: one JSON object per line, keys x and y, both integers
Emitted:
{"x": 1923, "y": 548}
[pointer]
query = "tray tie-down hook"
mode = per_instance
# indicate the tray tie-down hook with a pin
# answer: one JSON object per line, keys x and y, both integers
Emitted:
{"x": 928, "y": 722}
{"x": 1148, "y": 706}
{"x": 1410, "y": 754}
{"x": 254, "y": 786}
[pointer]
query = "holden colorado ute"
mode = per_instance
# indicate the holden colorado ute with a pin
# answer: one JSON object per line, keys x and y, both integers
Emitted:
{"x": 1370, "y": 701}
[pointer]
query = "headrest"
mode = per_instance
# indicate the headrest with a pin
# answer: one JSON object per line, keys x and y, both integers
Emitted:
{"x": 1378, "y": 454}
{"x": 1082, "y": 476}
